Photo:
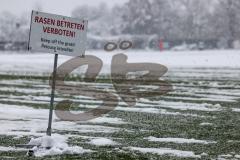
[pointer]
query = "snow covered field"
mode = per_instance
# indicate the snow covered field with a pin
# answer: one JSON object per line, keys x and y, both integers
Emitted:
{"x": 42, "y": 63}
{"x": 199, "y": 119}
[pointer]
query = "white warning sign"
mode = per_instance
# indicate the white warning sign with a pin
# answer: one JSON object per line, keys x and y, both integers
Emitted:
{"x": 57, "y": 34}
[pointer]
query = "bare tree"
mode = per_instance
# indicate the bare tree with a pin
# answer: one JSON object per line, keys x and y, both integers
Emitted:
{"x": 228, "y": 16}
{"x": 137, "y": 17}
{"x": 13, "y": 28}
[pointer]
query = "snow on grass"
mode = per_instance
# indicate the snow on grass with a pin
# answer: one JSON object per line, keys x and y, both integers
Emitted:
{"x": 22, "y": 82}
{"x": 26, "y": 90}
{"x": 144, "y": 110}
{"x": 227, "y": 92}
{"x": 108, "y": 120}
{"x": 205, "y": 95}
{"x": 102, "y": 142}
{"x": 213, "y": 87}
{"x": 179, "y": 140}
{"x": 23, "y": 101}
{"x": 223, "y": 156}
{"x": 57, "y": 144}
{"x": 237, "y": 156}
{"x": 205, "y": 74}
{"x": 13, "y": 112}
{"x": 23, "y": 120}
{"x": 40, "y": 63}
{"x": 136, "y": 109}
{"x": 156, "y": 111}
{"x": 167, "y": 151}
{"x": 6, "y": 149}
{"x": 184, "y": 106}
{"x": 236, "y": 109}
{"x": 217, "y": 99}
{"x": 42, "y": 99}
{"x": 206, "y": 124}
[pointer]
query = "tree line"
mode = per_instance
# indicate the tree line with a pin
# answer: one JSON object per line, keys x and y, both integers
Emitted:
{"x": 165, "y": 19}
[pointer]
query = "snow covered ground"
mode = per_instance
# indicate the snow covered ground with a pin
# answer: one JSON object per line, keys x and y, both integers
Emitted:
{"x": 37, "y": 63}
{"x": 198, "y": 119}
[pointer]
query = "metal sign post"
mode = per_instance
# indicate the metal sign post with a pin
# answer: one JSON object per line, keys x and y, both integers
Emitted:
{"x": 49, "y": 129}
{"x": 56, "y": 34}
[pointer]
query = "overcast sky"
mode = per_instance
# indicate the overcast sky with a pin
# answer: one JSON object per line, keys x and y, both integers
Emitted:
{"x": 63, "y": 7}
